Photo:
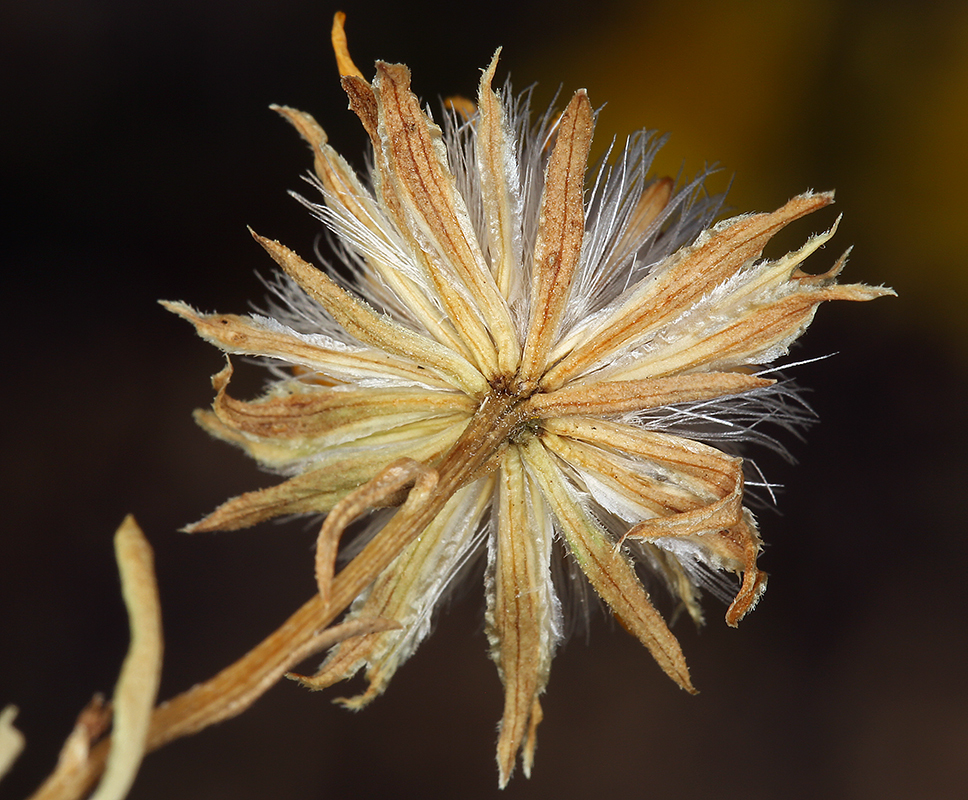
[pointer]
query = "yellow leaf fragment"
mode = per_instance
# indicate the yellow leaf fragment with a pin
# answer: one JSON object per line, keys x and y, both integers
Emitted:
{"x": 11, "y": 740}
{"x": 338, "y": 36}
{"x": 464, "y": 107}
{"x": 137, "y": 687}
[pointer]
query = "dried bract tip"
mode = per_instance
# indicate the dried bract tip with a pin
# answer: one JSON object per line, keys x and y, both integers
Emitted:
{"x": 341, "y": 48}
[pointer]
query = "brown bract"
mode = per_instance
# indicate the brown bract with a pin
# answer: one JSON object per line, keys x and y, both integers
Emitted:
{"x": 501, "y": 374}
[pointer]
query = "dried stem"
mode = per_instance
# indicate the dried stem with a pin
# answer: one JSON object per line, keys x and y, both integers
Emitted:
{"x": 305, "y": 633}
{"x": 238, "y": 686}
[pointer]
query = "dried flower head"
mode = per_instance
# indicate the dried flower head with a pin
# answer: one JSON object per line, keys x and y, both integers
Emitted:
{"x": 524, "y": 361}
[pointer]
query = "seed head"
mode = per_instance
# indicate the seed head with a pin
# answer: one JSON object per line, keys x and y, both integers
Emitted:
{"x": 525, "y": 361}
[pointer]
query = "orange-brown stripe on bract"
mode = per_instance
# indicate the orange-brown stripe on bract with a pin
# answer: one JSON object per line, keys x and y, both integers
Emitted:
{"x": 607, "y": 568}
{"x": 364, "y": 323}
{"x": 439, "y": 221}
{"x": 561, "y": 228}
{"x": 518, "y": 610}
{"x": 679, "y": 283}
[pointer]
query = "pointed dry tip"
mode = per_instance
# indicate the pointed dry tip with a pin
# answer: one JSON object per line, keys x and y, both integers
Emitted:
{"x": 180, "y": 309}
{"x": 340, "y": 47}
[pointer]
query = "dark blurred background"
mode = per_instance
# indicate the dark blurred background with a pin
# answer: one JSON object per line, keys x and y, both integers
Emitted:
{"x": 136, "y": 147}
